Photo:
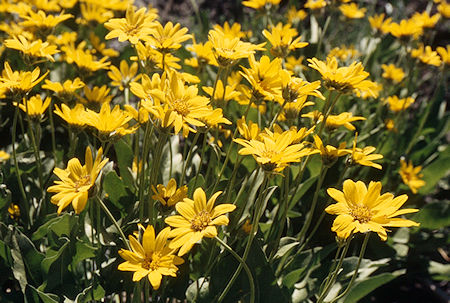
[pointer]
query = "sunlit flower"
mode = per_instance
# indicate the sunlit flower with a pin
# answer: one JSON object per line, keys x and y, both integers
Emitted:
{"x": 396, "y": 104}
{"x": 260, "y": 4}
{"x": 294, "y": 16}
{"x": 152, "y": 259}
{"x": 294, "y": 87}
{"x": 444, "y": 52}
{"x": 4, "y": 156}
{"x": 248, "y": 131}
{"x": 84, "y": 60}
{"x": 73, "y": 116}
{"x": 294, "y": 64}
{"x": 344, "y": 53}
{"x": 352, "y": 11}
{"x": 283, "y": 40}
{"x": 134, "y": 27}
{"x": 66, "y": 90}
{"x": 170, "y": 195}
{"x": 315, "y": 4}
{"x": 343, "y": 119}
{"x": 345, "y": 79}
{"x": 34, "y": 107}
{"x": 14, "y": 211}
{"x": 99, "y": 47}
{"x": 411, "y": 175}
{"x": 330, "y": 153}
{"x": 444, "y": 9}
{"x": 221, "y": 95}
{"x": 379, "y": 24}
{"x": 124, "y": 76}
{"x": 168, "y": 38}
{"x": 405, "y": 29}
{"x": 425, "y": 20}
{"x": 44, "y": 22}
{"x": 18, "y": 83}
{"x": 36, "y": 48}
{"x": 95, "y": 97}
{"x": 92, "y": 12}
{"x": 198, "y": 218}
{"x": 393, "y": 73}
{"x": 364, "y": 156}
{"x": 362, "y": 209}
{"x": 76, "y": 181}
{"x": 426, "y": 55}
{"x": 152, "y": 60}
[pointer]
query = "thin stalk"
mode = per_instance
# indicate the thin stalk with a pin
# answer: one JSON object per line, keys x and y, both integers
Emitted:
{"x": 322, "y": 34}
{"x": 52, "y": 130}
{"x": 277, "y": 114}
{"x": 361, "y": 254}
{"x": 36, "y": 155}
{"x": 142, "y": 172}
{"x": 202, "y": 155}
{"x": 189, "y": 157}
{"x": 111, "y": 217}
{"x": 155, "y": 171}
{"x": 328, "y": 112}
{"x": 219, "y": 72}
{"x": 244, "y": 265}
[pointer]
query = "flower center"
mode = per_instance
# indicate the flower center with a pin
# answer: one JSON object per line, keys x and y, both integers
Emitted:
{"x": 361, "y": 213}
{"x": 151, "y": 263}
{"x": 83, "y": 181}
{"x": 181, "y": 107}
{"x": 201, "y": 221}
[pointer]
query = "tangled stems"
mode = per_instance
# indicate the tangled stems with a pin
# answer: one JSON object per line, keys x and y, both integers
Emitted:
{"x": 243, "y": 264}
{"x": 142, "y": 172}
{"x": 109, "y": 214}
{"x": 256, "y": 216}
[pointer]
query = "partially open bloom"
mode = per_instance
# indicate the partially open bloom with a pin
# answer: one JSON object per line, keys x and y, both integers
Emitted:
{"x": 73, "y": 116}
{"x": 364, "y": 156}
{"x": 330, "y": 153}
{"x": 294, "y": 16}
{"x": 344, "y": 53}
{"x": 170, "y": 195}
{"x": 198, "y": 218}
{"x": 18, "y": 83}
{"x": 405, "y": 29}
{"x": 426, "y": 55}
{"x": 315, "y": 4}
{"x": 248, "y": 131}
{"x": 379, "y": 24}
{"x": 444, "y": 52}
{"x": 34, "y": 107}
{"x": 124, "y": 76}
{"x": 343, "y": 119}
{"x": 42, "y": 21}
{"x": 425, "y": 20}
{"x": 260, "y": 4}
{"x": 444, "y": 9}
{"x": 344, "y": 79}
{"x": 76, "y": 181}
{"x": 4, "y": 156}
{"x": 411, "y": 175}
{"x": 35, "y": 48}
{"x": 95, "y": 97}
{"x": 167, "y": 38}
{"x": 396, "y": 104}
{"x": 352, "y": 11}
{"x": 363, "y": 209}
{"x": 65, "y": 90}
{"x": 134, "y": 27}
{"x": 283, "y": 40}
{"x": 152, "y": 259}
{"x": 393, "y": 73}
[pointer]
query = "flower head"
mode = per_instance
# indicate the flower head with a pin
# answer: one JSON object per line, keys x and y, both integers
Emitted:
{"x": 18, "y": 83}
{"x": 170, "y": 195}
{"x": 36, "y": 48}
{"x": 34, "y": 107}
{"x": 397, "y": 104}
{"x": 393, "y": 73}
{"x": 73, "y": 116}
{"x": 167, "y": 38}
{"x": 330, "y": 153}
{"x": 379, "y": 24}
{"x": 364, "y": 156}
{"x": 363, "y": 209}
{"x": 352, "y": 11}
{"x": 283, "y": 40}
{"x": 426, "y": 55}
{"x": 152, "y": 259}
{"x": 4, "y": 156}
{"x": 198, "y": 218}
{"x": 411, "y": 175}
{"x": 76, "y": 181}
{"x": 65, "y": 90}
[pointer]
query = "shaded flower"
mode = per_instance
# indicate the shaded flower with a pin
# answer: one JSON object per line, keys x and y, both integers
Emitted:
{"x": 4, "y": 156}
{"x": 34, "y": 107}
{"x": 352, "y": 11}
{"x": 330, "y": 153}
{"x": 411, "y": 175}
{"x": 125, "y": 75}
{"x": 393, "y": 73}
{"x": 362, "y": 209}
{"x": 170, "y": 195}
{"x": 364, "y": 156}
{"x": 18, "y": 83}
{"x": 36, "y": 48}
{"x": 396, "y": 104}
{"x": 14, "y": 211}
{"x": 66, "y": 90}
{"x": 283, "y": 40}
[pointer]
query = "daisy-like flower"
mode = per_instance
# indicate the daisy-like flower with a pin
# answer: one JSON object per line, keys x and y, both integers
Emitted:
{"x": 228, "y": 49}
{"x": 411, "y": 175}
{"x": 294, "y": 16}
{"x": 84, "y": 60}
{"x": 396, "y": 104}
{"x": 76, "y": 181}
{"x": 283, "y": 40}
{"x": 18, "y": 83}
{"x": 34, "y": 107}
{"x": 364, "y": 156}
{"x": 352, "y": 11}
{"x": 363, "y": 209}
{"x": 425, "y": 20}
{"x": 152, "y": 60}
{"x": 66, "y": 90}
{"x": 444, "y": 52}
{"x": 393, "y": 73}
{"x": 95, "y": 97}
{"x": 4, "y": 156}
{"x": 315, "y": 4}
{"x": 203, "y": 54}
{"x": 198, "y": 218}
{"x": 234, "y": 30}
{"x": 152, "y": 259}
{"x": 291, "y": 110}
{"x": 94, "y": 13}
{"x": 260, "y": 4}
{"x": 343, "y": 119}
{"x": 294, "y": 87}
{"x": 110, "y": 124}
{"x": 405, "y": 29}
{"x": 45, "y": 23}
{"x": 74, "y": 117}
{"x": 222, "y": 95}
{"x": 379, "y": 24}
{"x": 134, "y": 27}
{"x": 125, "y": 75}
{"x": 426, "y": 55}
{"x": 36, "y": 48}
{"x": 264, "y": 78}
{"x": 99, "y": 47}
{"x": 344, "y": 53}
{"x": 345, "y": 79}
{"x": 274, "y": 151}
{"x": 330, "y": 153}
{"x": 294, "y": 64}
{"x": 168, "y": 38}
{"x": 170, "y": 195}
{"x": 248, "y": 131}
{"x": 444, "y": 9}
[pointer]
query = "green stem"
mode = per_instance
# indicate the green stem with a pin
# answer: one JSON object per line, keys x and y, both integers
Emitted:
{"x": 202, "y": 155}
{"x": 52, "y": 130}
{"x": 322, "y": 34}
{"x": 189, "y": 157}
{"x": 155, "y": 172}
{"x": 361, "y": 254}
{"x": 36, "y": 155}
{"x": 244, "y": 265}
{"x": 142, "y": 171}
{"x": 111, "y": 217}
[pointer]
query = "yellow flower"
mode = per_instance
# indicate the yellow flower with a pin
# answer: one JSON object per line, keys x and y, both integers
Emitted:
{"x": 291, "y": 110}
{"x": 44, "y": 22}
{"x": 405, "y": 29}
{"x": 281, "y": 37}
{"x": 66, "y": 90}
{"x": 18, "y": 83}
{"x": 66, "y": 38}
{"x": 198, "y": 218}
{"x": 140, "y": 116}
{"x": 294, "y": 64}
{"x": 315, "y": 4}
{"x": 76, "y": 181}
{"x": 274, "y": 151}
{"x": 152, "y": 59}
{"x": 393, "y": 73}
{"x": 411, "y": 175}
{"x": 248, "y": 131}
{"x": 362, "y": 209}
{"x": 95, "y": 97}
{"x": 232, "y": 31}
{"x": 168, "y": 38}
{"x": 228, "y": 49}
{"x": 390, "y": 125}
{"x": 344, "y": 79}
{"x": 343, "y": 119}
{"x": 425, "y": 20}
{"x": 260, "y": 4}
{"x": 294, "y": 16}
{"x": 352, "y": 11}
{"x": 36, "y": 48}
{"x": 100, "y": 47}
{"x": 203, "y": 54}
{"x": 152, "y": 259}
{"x": 426, "y": 55}
{"x": 364, "y": 156}
{"x": 264, "y": 78}
{"x": 134, "y": 27}
{"x": 344, "y": 53}
{"x": 4, "y": 156}
{"x": 110, "y": 124}
{"x": 444, "y": 9}
{"x": 170, "y": 195}
{"x": 92, "y": 12}
{"x": 221, "y": 95}
{"x": 85, "y": 61}
{"x": 379, "y": 24}
{"x": 124, "y": 76}
{"x": 35, "y": 106}
{"x": 330, "y": 153}
{"x": 14, "y": 211}
{"x": 396, "y": 104}
{"x": 74, "y": 117}
{"x": 444, "y": 53}
{"x": 294, "y": 88}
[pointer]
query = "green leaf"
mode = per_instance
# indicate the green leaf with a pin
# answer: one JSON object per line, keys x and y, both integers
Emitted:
{"x": 97, "y": 293}
{"x": 199, "y": 182}
{"x": 437, "y": 170}
{"x": 83, "y": 251}
{"x": 434, "y": 215}
{"x": 302, "y": 189}
{"x": 125, "y": 161}
{"x": 115, "y": 189}
{"x": 52, "y": 256}
{"x": 46, "y": 298}
{"x": 5, "y": 253}
{"x": 369, "y": 284}
{"x": 61, "y": 225}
